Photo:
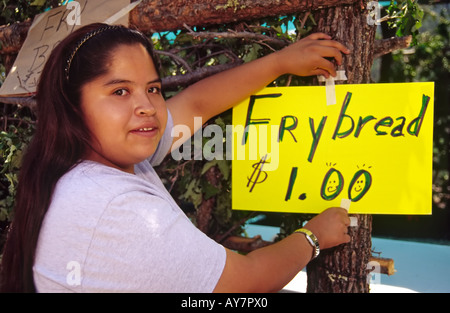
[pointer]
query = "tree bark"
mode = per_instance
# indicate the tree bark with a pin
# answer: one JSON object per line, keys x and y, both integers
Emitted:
{"x": 204, "y": 211}
{"x": 343, "y": 269}
{"x": 154, "y": 16}
{"x": 11, "y": 39}
{"x": 384, "y": 47}
{"x": 168, "y": 15}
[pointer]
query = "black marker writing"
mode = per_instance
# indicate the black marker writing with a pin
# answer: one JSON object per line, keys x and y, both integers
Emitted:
{"x": 289, "y": 128}
{"x": 249, "y": 121}
{"x": 291, "y": 183}
{"x": 255, "y": 177}
{"x": 316, "y": 136}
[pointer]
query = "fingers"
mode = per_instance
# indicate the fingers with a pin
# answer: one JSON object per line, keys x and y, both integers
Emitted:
{"x": 345, "y": 218}
{"x": 325, "y": 68}
{"x": 316, "y": 36}
{"x": 336, "y": 45}
{"x": 347, "y": 238}
{"x": 313, "y": 55}
{"x": 326, "y": 41}
{"x": 320, "y": 71}
{"x": 333, "y": 47}
{"x": 325, "y": 50}
{"x": 345, "y": 223}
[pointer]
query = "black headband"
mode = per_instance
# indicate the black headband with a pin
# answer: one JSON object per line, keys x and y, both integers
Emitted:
{"x": 83, "y": 41}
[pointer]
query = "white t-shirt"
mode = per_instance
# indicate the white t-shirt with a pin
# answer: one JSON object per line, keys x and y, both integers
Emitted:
{"x": 110, "y": 231}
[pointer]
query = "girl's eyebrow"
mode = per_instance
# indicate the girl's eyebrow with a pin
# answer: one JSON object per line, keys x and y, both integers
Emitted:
{"x": 125, "y": 81}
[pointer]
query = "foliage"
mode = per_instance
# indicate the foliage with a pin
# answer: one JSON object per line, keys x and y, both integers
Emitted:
{"x": 19, "y": 10}
{"x": 406, "y": 17}
{"x": 429, "y": 60}
{"x": 18, "y": 128}
{"x": 17, "y": 122}
{"x": 13, "y": 142}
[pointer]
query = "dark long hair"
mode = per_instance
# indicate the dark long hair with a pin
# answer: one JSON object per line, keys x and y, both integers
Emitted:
{"x": 60, "y": 141}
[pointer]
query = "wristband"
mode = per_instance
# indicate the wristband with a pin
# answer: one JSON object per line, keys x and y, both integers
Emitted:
{"x": 312, "y": 239}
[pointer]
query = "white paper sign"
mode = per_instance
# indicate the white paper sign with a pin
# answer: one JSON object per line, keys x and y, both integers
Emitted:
{"x": 48, "y": 29}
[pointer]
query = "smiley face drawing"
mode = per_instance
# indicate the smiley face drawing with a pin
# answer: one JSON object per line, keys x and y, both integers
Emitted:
{"x": 360, "y": 185}
{"x": 332, "y": 184}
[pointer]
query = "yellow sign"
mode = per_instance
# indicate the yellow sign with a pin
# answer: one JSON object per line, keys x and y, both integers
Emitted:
{"x": 294, "y": 153}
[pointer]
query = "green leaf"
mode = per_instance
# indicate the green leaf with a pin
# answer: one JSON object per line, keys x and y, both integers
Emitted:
{"x": 38, "y": 3}
{"x": 193, "y": 193}
{"x": 225, "y": 168}
{"x": 208, "y": 165}
{"x": 252, "y": 52}
{"x": 209, "y": 191}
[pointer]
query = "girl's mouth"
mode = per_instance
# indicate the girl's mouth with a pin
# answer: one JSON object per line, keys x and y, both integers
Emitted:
{"x": 145, "y": 131}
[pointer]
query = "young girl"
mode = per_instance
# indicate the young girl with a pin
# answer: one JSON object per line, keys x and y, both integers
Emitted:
{"x": 91, "y": 213}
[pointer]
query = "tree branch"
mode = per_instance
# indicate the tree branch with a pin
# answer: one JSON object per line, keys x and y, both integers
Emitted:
{"x": 154, "y": 16}
{"x": 12, "y": 36}
{"x": 385, "y": 46}
{"x": 177, "y": 59}
{"x": 170, "y": 15}
{"x": 245, "y": 35}
{"x": 245, "y": 244}
{"x": 23, "y": 101}
{"x": 386, "y": 266}
{"x": 173, "y": 82}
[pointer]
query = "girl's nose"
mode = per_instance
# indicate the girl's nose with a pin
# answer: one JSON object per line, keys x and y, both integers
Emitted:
{"x": 146, "y": 108}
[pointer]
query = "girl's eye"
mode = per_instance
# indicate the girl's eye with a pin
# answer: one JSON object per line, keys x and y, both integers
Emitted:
{"x": 154, "y": 90}
{"x": 121, "y": 92}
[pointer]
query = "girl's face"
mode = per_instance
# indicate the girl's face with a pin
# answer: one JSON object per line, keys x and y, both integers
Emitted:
{"x": 124, "y": 109}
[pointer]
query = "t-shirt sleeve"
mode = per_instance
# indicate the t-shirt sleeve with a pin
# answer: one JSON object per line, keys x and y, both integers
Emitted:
{"x": 141, "y": 244}
{"x": 164, "y": 144}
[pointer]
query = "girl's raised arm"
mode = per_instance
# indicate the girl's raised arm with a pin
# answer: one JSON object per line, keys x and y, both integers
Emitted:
{"x": 222, "y": 91}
